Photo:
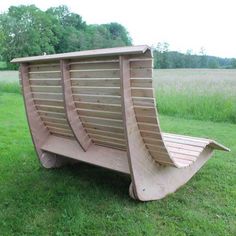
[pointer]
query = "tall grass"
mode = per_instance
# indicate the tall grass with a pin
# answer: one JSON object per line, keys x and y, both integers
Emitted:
{"x": 9, "y": 87}
{"x": 197, "y": 94}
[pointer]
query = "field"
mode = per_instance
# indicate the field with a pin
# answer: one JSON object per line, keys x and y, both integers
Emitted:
{"x": 86, "y": 200}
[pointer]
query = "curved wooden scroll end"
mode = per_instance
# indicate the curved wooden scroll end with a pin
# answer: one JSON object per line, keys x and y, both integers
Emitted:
{"x": 161, "y": 181}
{"x": 38, "y": 131}
{"x": 72, "y": 116}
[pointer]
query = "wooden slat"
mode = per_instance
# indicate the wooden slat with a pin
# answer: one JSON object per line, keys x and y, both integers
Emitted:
{"x": 141, "y": 73}
{"x": 59, "y": 130}
{"x": 148, "y": 127}
{"x": 96, "y": 90}
{"x": 142, "y": 92}
{"x": 109, "y": 144}
{"x": 102, "y": 121}
{"x": 97, "y": 106}
{"x": 44, "y": 67}
{"x": 54, "y": 120}
{"x": 97, "y": 98}
{"x": 57, "y": 125}
{"x": 109, "y": 82}
{"x": 45, "y": 82}
{"x": 46, "y": 75}
{"x": 144, "y": 111}
{"x": 142, "y": 83}
{"x": 95, "y": 65}
{"x": 150, "y": 134}
{"x": 107, "y": 139}
{"x": 140, "y": 64}
{"x": 183, "y": 146}
{"x": 118, "y": 130}
{"x": 95, "y": 73}
{"x": 105, "y": 133}
{"x": 47, "y": 96}
{"x": 147, "y": 119}
{"x": 51, "y": 114}
{"x": 50, "y": 108}
{"x": 102, "y": 114}
{"x": 48, "y": 102}
{"x": 141, "y": 101}
{"x": 46, "y": 89}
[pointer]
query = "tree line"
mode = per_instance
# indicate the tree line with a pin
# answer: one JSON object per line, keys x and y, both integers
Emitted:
{"x": 29, "y": 31}
{"x": 165, "y": 59}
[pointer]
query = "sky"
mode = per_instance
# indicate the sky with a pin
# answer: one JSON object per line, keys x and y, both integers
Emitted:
{"x": 184, "y": 24}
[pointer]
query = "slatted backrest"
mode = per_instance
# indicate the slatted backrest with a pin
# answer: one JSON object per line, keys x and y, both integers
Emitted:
{"x": 97, "y": 95}
{"x": 47, "y": 94}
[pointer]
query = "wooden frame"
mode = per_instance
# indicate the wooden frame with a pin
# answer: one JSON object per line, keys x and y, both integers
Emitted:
{"x": 99, "y": 107}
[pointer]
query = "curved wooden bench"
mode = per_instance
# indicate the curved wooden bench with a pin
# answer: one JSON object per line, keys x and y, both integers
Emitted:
{"x": 99, "y": 107}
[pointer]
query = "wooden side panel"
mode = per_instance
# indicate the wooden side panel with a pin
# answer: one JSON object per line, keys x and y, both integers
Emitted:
{"x": 73, "y": 119}
{"x": 142, "y": 93}
{"x": 38, "y": 130}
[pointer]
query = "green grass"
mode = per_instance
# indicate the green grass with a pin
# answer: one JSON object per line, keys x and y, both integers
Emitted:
{"x": 3, "y": 65}
{"x": 87, "y": 200}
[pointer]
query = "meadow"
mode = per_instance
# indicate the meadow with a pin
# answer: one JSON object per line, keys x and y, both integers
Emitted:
{"x": 87, "y": 200}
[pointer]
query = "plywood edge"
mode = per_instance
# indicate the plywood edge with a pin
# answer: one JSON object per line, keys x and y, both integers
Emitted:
{"x": 129, "y": 50}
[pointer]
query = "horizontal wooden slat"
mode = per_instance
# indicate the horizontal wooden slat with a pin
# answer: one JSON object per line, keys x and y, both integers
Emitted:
{"x": 97, "y": 98}
{"x": 63, "y": 135}
{"x": 140, "y": 64}
{"x": 105, "y": 127}
{"x": 102, "y": 121}
{"x": 45, "y": 82}
{"x": 97, "y": 90}
{"x": 47, "y": 96}
{"x": 46, "y": 75}
{"x": 52, "y": 114}
{"x": 54, "y": 120}
{"x": 141, "y": 73}
{"x": 109, "y": 82}
{"x": 44, "y": 67}
{"x": 103, "y": 114}
{"x": 150, "y": 134}
{"x": 140, "y": 92}
{"x": 181, "y": 141}
{"x": 105, "y": 133}
{"x": 141, "y": 101}
{"x": 95, "y": 74}
{"x": 110, "y": 144}
{"x": 50, "y": 108}
{"x": 148, "y": 127}
{"x": 183, "y": 146}
{"x": 142, "y": 83}
{"x": 48, "y": 102}
{"x": 147, "y": 119}
{"x": 46, "y": 89}
{"x": 183, "y": 151}
{"x": 95, "y": 65}
{"x": 145, "y": 111}
{"x": 57, "y": 125}
{"x": 59, "y": 130}
{"x": 97, "y": 106}
{"x": 107, "y": 139}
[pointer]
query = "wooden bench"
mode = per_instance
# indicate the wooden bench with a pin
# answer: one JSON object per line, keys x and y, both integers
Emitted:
{"x": 98, "y": 106}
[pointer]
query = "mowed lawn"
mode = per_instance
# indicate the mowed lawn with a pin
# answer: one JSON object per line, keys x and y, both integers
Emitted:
{"x": 87, "y": 200}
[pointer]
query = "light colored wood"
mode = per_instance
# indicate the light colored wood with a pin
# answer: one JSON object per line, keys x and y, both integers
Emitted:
{"x": 106, "y": 52}
{"x": 39, "y": 132}
{"x": 112, "y": 91}
{"x": 90, "y": 106}
{"x": 103, "y": 99}
{"x": 96, "y": 155}
{"x": 71, "y": 114}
